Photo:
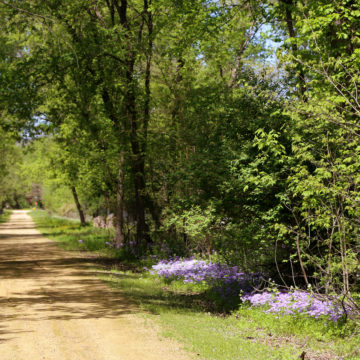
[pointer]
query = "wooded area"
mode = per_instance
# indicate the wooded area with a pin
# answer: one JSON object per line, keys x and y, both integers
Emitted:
{"x": 226, "y": 128}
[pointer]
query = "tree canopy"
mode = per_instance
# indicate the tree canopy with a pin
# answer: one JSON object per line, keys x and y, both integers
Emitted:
{"x": 227, "y": 126}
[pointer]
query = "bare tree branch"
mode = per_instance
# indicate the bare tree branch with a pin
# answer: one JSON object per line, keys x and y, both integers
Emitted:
{"x": 26, "y": 11}
{"x": 252, "y": 32}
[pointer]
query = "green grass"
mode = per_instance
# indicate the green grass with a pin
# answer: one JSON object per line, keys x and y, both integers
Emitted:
{"x": 183, "y": 317}
{"x": 246, "y": 334}
{"x": 67, "y": 233}
{"x": 5, "y": 216}
{"x": 186, "y": 314}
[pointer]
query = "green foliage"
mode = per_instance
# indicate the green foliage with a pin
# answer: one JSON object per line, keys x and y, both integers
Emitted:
{"x": 5, "y": 216}
{"x": 171, "y": 116}
{"x": 321, "y": 188}
{"x": 196, "y": 224}
{"x": 13, "y": 185}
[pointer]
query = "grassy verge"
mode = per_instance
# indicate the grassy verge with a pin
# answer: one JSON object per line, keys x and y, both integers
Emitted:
{"x": 184, "y": 313}
{"x": 5, "y": 216}
{"x": 70, "y": 235}
{"x": 246, "y": 334}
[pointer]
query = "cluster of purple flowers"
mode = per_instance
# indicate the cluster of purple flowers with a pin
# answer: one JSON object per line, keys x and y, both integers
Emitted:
{"x": 226, "y": 281}
{"x": 230, "y": 281}
{"x": 295, "y": 302}
{"x": 195, "y": 271}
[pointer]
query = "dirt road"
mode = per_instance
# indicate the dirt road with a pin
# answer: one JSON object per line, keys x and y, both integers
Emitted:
{"x": 54, "y": 308}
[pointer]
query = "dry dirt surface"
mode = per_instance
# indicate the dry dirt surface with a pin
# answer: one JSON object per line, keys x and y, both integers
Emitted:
{"x": 53, "y": 307}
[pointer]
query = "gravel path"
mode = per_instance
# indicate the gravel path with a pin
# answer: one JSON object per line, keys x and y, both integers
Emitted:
{"x": 53, "y": 307}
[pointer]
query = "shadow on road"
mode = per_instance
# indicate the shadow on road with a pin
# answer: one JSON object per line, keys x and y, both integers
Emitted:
{"x": 40, "y": 282}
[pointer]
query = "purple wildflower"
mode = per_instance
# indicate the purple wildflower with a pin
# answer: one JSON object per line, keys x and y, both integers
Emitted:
{"x": 226, "y": 281}
{"x": 295, "y": 302}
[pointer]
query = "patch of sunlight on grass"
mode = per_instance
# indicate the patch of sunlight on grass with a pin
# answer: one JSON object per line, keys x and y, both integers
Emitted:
{"x": 70, "y": 235}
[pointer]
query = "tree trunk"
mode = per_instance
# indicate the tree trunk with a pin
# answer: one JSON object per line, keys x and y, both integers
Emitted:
{"x": 138, "y": 163}
{"x": 16, "y": 199}
{"x": 289, "y": 4}
{"x": 142, "y": 229}
{"x": 300, "y": 259}
{"x": 119, "y": 209}
{"x": 78, "y": 206}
